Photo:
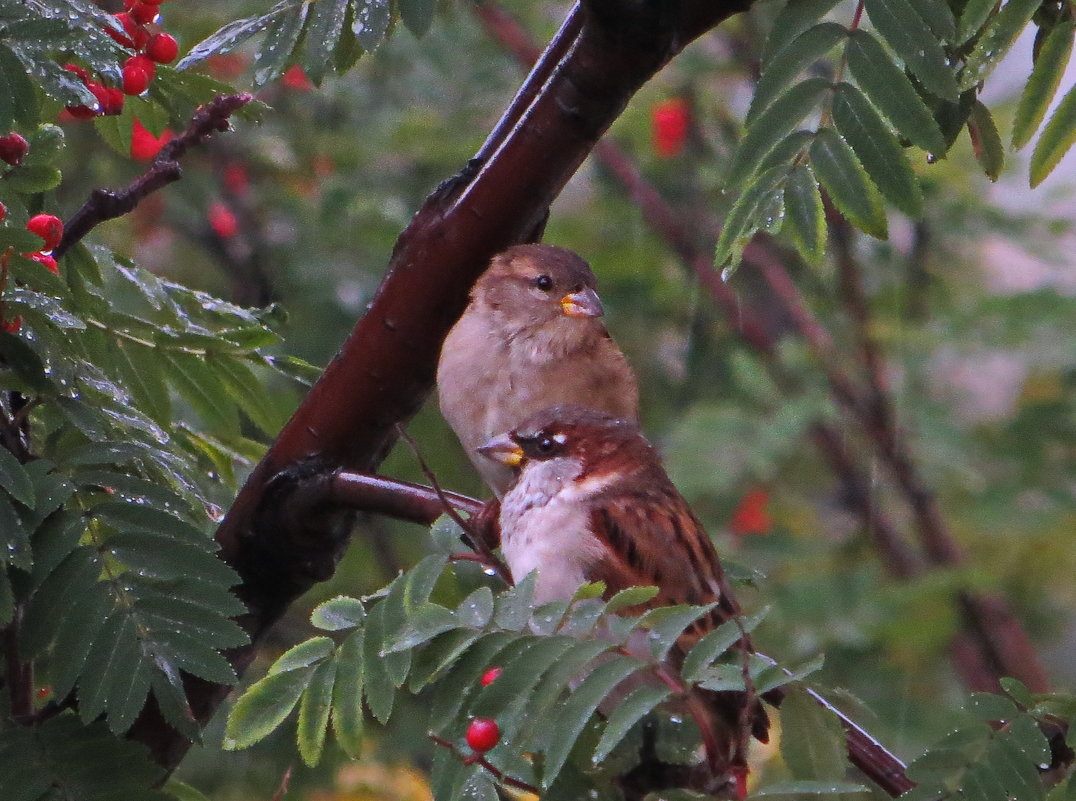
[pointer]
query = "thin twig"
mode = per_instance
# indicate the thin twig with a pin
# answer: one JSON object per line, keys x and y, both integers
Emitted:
{"x": 474, "y": 539}
{"x": 104, "y": 204}
{"x": 478, "y": 759}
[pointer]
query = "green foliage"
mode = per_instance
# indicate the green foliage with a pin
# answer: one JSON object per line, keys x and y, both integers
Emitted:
{"x": 922, "y": 82}
{"x": 555, "y": 668}
{"x": 322, "y": 37}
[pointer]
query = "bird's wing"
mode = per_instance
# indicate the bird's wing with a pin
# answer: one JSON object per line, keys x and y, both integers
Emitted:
{"x": 671, "y": 551}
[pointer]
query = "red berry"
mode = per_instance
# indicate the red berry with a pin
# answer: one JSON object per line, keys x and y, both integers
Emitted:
{"x": 296, "y": 79}
{"x": 483, "y": 734}
{"x": 138, "y": 35}
{"x": 144, "y": 145}
{"x": 235, "y": 178}
{"x": 3, "y": 212}
{"x": 113, "y": 101}
{"x": 13, "y": 148}
{"x": 80, "y": 112}
{"x": 162, "y": 48}
{"x": 136, "y": 77}
{"x": 12, "y": 326}
{"x": 669, "y": 126}
{"x": 81, "y": 72}
{"x": 222, "y": 220}
{"x": 47, "y": 226}
{"x": 490, "y": 676}
{"x": 751, "y": 515}
{"x": 143, "y": 12}
{"x": 46, "y": 261}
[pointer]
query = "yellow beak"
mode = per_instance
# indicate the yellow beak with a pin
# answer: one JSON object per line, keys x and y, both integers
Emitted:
{"x": 584, "y": 303}
{"x": 502, "y": 449}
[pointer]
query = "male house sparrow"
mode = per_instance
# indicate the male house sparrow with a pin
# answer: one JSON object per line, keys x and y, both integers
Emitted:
{"x": 531, "y": 337}
{"x": 593, "y": 503}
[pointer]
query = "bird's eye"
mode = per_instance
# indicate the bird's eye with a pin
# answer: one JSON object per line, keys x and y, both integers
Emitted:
{"x": 545, "y": 444}
{"x": 543, "y": 282}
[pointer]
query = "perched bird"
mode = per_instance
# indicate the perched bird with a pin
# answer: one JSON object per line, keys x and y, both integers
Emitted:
{"x": 531, "y": 337}
{"x": 593, "y": 502}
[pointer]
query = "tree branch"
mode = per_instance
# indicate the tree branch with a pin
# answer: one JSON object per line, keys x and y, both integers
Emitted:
{"x": 104, "y": 204}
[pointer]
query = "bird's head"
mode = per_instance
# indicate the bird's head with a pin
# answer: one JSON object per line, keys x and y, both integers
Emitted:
{"x": 571, "y": 442}
{"x": 532, "y": 285}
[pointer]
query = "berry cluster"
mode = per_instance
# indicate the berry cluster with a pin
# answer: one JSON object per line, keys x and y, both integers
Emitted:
{"x": 151, "y": 49}
{"x": 51, "y": 230}
{"x": 484, "y": 733}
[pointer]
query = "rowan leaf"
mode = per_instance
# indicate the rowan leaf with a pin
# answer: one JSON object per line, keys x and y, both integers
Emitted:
{"x": 1046, "y": 76}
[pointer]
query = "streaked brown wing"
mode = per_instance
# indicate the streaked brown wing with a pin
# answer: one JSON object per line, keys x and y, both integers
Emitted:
{"x": 653, "y": 538}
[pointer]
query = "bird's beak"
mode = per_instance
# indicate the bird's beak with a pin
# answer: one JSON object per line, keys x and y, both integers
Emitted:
{"x": 502, "y": 449}
{"x": 584, "y": 303}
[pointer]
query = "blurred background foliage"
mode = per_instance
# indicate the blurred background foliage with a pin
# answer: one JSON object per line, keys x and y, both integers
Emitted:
{"x": 974, "y": 309}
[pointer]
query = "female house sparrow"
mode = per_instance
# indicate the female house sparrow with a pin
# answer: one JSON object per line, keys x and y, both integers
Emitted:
{"x": 593, "y": 503}
{"x": 531, "y": 337}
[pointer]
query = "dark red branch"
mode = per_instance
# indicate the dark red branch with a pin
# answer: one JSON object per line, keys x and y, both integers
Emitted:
{"x": 104, "y": 204}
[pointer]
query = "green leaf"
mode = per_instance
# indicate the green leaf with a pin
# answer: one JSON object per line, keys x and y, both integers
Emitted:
{"x": 773, "y": 125}
{"x": 512, "y": 609}
{"x": 795, "y": 790}
{"x": 1025, "y": 734}
{"x": 452, "y": 691}
{"x": 996, "y": 40}
{"x": 889, "y": 89}
{"x": 841, "y": 175}
{"x": 627, "y": 713}
{"x": 988, "y": 706}
{"x": 18, "y": 100}
{"x": 14, "y": 538}
{"x": 938, "y": 16}
{"x": 667, "y": 623}
{"x": 576, "y": 711}
{"x": 264, "y": 706}
{"x": 314, "y": 713}
{"x": 246, "y": 390}
{"x": 372, "y": 20}
{"x": 339, "y": 613}
{"x": 115, "y": 677}
{"x": 986, "y": 141}
{"x": 476, "y": 609}
{"x": 15, "y": 480}
{"x": 517, "y": 680}
{"x": 757, "y": 206}
{"x": 1042, "y": 85}
{"x": 32, "y": 179}
{"x": 1017, "y": 690}
{"x": 629, "y": 597}
{"x": 1056, "y": 138}
{"x": 235, "y": 33}
{"x": 715, "y": 643}
{"x": 790, "y": 61}
{"x": 306, "y": 654}
{"x": 417, "y": 15}
{"x": 430, "y": 662}
{"x": 805, "y": 214}
{"x": 907, "y": 33}
{"x": 347, "y": 695}
{"x": 791, "y": 21}
{"x": 877, "y": 149}
{"x": 972, "y": 18}
{"x": 379, "y": 689}
{"x": 812, "y": 740}
{"x": 279, "y": 43}
{"x": 422, "y": 626}
{"x": 199, "y": 385}
{"x": 322, "y": 34}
